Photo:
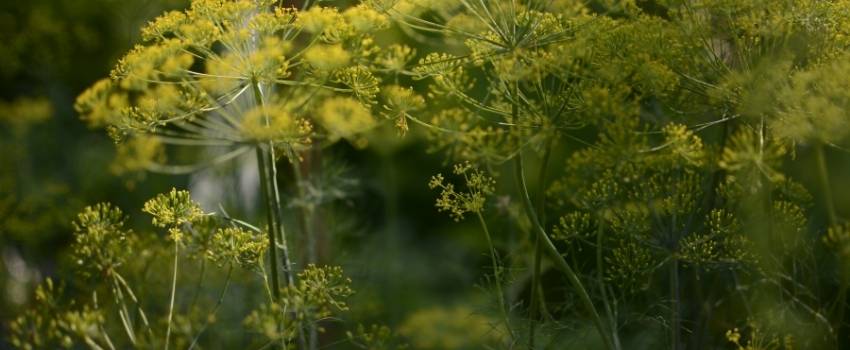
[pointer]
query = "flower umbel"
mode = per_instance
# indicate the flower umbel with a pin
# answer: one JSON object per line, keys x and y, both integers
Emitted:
{"x": 471, "y": 200}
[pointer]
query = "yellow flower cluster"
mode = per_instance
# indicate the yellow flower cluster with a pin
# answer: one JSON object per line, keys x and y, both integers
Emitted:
{"x": 222, "y": 73}
{"x": 751, "y": 156}
{"x": 345, "y": 117}
{"x": 233, "y": 245}
{"x": 478, "y": 186}
{"x": 400, "y": 102}
{"x": 274, "y": 123}
{"x": 174, "y": 208}
{"x": 327, "y": 57}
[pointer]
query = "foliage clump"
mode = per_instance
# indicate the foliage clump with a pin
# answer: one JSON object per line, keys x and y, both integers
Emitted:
{"x": 101, "y": 241}
{"x": 320, "y": 293}
{"x": 469, "y": 200}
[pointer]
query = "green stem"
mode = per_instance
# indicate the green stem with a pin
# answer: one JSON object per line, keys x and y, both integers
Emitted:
{"x": 548, "y": 246}
{"x": 674, "y": 305}
{"x": 535, "y": 276}
{"x": 92, "y": 344}
{"x": 123, "y": 314}
{"x": 824, "y": 180}
{"x": 498, "y": 276}
{"x": 305, "y": 225}
{"x": 306, "y": 216}
{"x": 600, "y": 280}
{"x": 557, "y": 259}
{"x": 268, "y": 178}
{"x": 123, "y": 283}
{"x": 100, "y": 328}
{"x": 200, "y": 282}
{"x": 215, "y": 308}
{"x": 173, "y": 293}
{"x": 823, "y": 173}
{"x": 272, "y": 233}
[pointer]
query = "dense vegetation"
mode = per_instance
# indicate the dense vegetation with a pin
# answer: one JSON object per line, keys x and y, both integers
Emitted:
{"x": 635, "y": 174}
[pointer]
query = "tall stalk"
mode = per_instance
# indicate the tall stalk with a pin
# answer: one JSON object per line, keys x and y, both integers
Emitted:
{"x": 535, "y": 276}
{"x": 268, "y": 181}
{"x": 675, "y": 317}
{"x": 600, "y": 280}
{"x": 823, "y": 174}
{"x": 844, "y": 285}
{"x": 305, "y": 220}
{"x": 305, "y": 223}
{"x": 272, "y": 232}
{"x": 543, "y": 237}
{"x": 173, "y": 293}
{"x": 498, "y": 277}
{"x": 557, "y": 259}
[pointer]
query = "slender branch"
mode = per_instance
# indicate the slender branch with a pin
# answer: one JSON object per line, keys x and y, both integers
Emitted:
{"x": 305, "y": 221}
{"x": 823, "y": 173}
{"x": 555, "y": 256}
{"x": 122, "y": 282}
{"x": 494, "y": 260}
{"x": 268, "y": 178}
{"x": 600, "y": 280}
{"x": 92, "y": 344}
{"x": 306, "y": 210}
{"x": 173, "y": 293}
{"x": 675, "y": 318}
{"x": 198, "y": 285}
{"x": 535, "y": 276}
{"x": 103, "y": 333}
{"x": 215, "y": 308}
{"x": 123, "y": 314}
{"x": 272, "y": 232}
{"x": 548, "y": 246}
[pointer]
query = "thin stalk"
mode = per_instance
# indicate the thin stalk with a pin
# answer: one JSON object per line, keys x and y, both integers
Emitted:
{"x": 548, "y": 246}
{"x": 265, "y": 276}
{"x": 535, "y": 289}
{"x": 272, "y": 233}
{"x": 305, "y": 221}
{"x": 494, "y": 260}
{"x": 306, "y": 217}
{"x": 823, "y": 174}
{"x": 675, "y": 319}
{"x": 824, "y": 180}
{"x": 535, "y": 276}
{"x": 92, "y": 344}
{"x": 675, "y": 302}
{"x": 173, "y": 293}
{"x": 275, "y": 195}
{"x": 600, "y": 280}
{"x": 103, "y": 333}
{"x": 268, "y": 176}
{"x": 106, "y": 338}
{"x": 555, "y": 256}
{"x": 123, "y": 314}
{"x": 268, "y": 179}
{"x": 199, "y": 283}
{"x": 135, "y": 300}
{"x": 215, "y": 308}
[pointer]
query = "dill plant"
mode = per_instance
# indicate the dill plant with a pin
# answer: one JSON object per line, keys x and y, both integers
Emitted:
{"x": 227, "y": 78}
{"x": 673, "y": 122}
{"x": 642, "y": 151}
